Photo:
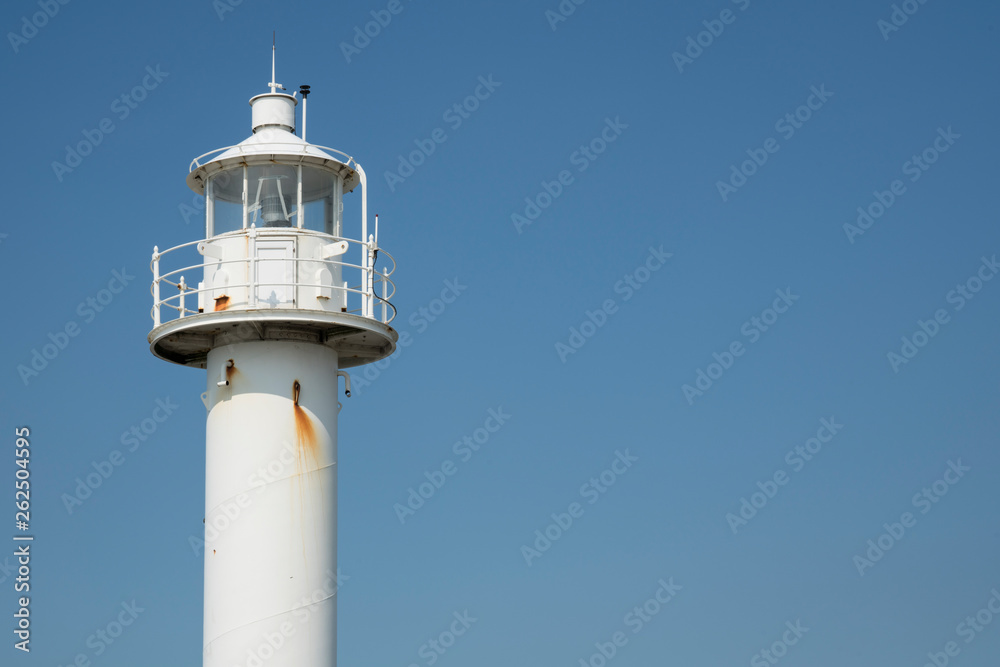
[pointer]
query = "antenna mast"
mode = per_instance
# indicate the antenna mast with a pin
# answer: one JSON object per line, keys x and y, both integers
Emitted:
{"x": 274, "y": 85}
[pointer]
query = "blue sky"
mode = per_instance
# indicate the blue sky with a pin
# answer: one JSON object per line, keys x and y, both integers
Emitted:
{"x": 662, "y": 133}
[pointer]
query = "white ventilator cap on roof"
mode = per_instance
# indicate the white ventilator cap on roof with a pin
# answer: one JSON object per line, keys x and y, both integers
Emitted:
{"x": 275, "y": 110}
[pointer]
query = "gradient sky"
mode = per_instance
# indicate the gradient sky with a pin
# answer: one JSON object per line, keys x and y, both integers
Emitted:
{"x": 674, "y": 127}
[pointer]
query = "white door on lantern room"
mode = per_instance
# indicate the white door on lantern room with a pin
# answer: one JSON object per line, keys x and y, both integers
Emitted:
{"x": 275, "y": 274}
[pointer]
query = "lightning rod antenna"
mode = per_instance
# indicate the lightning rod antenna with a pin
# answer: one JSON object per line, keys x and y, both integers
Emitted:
{"x": 274, "y": 85}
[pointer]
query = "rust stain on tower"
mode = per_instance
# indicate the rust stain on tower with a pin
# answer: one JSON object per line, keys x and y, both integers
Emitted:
{"x": 305, "y": 433}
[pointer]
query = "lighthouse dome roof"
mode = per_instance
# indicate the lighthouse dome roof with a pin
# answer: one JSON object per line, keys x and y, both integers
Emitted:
{"x": 272, "y": 144}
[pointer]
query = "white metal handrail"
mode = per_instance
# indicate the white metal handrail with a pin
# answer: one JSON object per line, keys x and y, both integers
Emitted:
{"x": 374, "y": 286}
{"x": 184, "y": 289}
{"x": 244, "y": 260}
{"x": 388, "y": 286}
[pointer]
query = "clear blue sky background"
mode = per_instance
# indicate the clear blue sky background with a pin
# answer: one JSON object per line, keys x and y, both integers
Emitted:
{"x": 656, "y": 184}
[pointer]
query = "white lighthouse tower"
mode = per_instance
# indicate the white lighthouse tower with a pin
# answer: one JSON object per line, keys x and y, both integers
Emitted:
{"x": 273, "y": 302}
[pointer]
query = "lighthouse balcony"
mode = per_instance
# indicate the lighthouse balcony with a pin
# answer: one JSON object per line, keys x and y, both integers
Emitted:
{"x": 295, "y": 282}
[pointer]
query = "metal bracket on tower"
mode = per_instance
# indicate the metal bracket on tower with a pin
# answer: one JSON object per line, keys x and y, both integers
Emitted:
{"x": 334, "y": 249}
{"x": 347, "y": 382}
{"x": 224, "y": 375}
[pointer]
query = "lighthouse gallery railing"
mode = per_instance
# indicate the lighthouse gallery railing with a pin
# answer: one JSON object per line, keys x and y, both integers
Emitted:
{"x": 358, "y": 299}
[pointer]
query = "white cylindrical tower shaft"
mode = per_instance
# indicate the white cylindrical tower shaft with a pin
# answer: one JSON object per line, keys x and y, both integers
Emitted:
{"x": 271, "y": 489}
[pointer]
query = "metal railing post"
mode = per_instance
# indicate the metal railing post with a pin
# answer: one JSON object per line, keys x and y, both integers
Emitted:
{"x": 252, "y": 269}
{"x": 182, "y": 287}
{"x": 156, "y": 286}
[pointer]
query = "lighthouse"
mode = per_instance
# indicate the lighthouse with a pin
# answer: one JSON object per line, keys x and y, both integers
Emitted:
{"x": 285, "y": 290}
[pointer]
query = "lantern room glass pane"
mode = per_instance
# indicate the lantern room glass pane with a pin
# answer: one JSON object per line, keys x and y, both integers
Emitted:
{"x": 319, "y": 189}
{"x": 226, "y": 200}
{"x": 272, "y": 195}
